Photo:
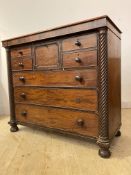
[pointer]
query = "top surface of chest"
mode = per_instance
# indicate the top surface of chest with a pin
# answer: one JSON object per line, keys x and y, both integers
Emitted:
{"x": 78, "y": 27}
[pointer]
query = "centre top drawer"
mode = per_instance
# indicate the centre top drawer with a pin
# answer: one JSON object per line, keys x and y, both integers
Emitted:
{"x": 80, "y": 42}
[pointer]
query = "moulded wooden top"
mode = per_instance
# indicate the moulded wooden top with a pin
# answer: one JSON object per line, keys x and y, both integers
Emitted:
{"x": 85, "y": 25}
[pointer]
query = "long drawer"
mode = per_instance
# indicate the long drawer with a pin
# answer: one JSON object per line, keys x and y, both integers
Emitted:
{"x": 77, "y": 78}
{"x": 68, "y": 120}
{"x": 70, "y": 98}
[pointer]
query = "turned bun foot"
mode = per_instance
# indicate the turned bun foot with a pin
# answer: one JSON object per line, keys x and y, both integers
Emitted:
{"x": 14, "y": 128}
{"x": 13, "y": 125}
{"x": 104, "y": 153}
{"x": 118, "y": 134}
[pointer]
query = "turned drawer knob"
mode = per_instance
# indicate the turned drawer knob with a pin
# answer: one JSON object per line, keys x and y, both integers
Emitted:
{"x": 78, "y": 43}
{"x": 78, "y": 78}
{"x": 22, "y": 79}
{"x": 78, "y": 60}
{"x": 21, "y": 64}
{"x": 23, "y": 95}
{"x": 20, "y": 52}
{"x": 23, "y": 113}
{"x": 80, "y": 122}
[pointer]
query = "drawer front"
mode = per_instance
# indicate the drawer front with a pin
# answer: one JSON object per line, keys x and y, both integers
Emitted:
{"x": 79, "y": 42}
{"x": 80, "y": 59}
{"x": 21, "y": 64}
{"x": 68, "y": 120}
{"x": 77, "y": 78}
{"x": 83, "y": 99}
{"x": 46, "y": 56}
{"x": 20, "y": 52}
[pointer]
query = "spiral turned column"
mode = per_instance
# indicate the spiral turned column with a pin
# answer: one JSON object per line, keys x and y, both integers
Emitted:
{"x": 103, "y": 139}
{"x": 12, "y": 121}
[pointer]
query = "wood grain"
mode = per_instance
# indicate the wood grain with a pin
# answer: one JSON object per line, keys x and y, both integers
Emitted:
{"x": 21, "y": 51}
{"x": 79, "y": 99}
{"x": 57, "y": 78}
{"x": 58, "y": 118}
{"x": 46, "y": 56}
{"x": 114, "y": 105}
{"x": 86, "y": 41}
{"x": 87, "y": 59}
{"x": 26, "y": 64}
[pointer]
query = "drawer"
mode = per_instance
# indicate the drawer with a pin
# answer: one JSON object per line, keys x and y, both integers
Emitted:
{"x": 21, "y": 64}
{"x": 80, "y": 59}
{"x": 83, "y": 99}
{"x": 67, "y": 120}
{"x": 77, "y": 78}
{"x": 21, "y": 52}
{"x": 79, "y": 42}
{"x": 46, "y": 56}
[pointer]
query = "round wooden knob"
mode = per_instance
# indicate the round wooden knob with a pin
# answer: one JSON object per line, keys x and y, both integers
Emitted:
{"x": 23, "y": 113}
{"x": 20, "y": 52}
{"x": 23, "y": 95}
{"x": 78, "y": 43}
{"x": 80, "y": 122}
{"x": 22, "y": 79}
{"x": 78, "y": 78}
{"x": 78, "y": 60}
{"x": 21, "y": 64}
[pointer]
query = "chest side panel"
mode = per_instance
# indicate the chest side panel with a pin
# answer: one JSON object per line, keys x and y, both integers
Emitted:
{"x": 114, "y": 82}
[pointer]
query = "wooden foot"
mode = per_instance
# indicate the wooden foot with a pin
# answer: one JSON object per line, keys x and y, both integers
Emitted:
{"x": 104, "y": 144}
{"x": 118, "y": 134}
{"x": 104, "y": 153}
{"x": 14, "y": 127}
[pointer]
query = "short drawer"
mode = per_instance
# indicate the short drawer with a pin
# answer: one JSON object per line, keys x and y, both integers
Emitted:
{"x": 21, "y": 64}
{"x": 83, "y": 99}
{"x": 67, "y": 120}
{"x": 69, "y": 78}
{"x": 21, "y": 52}
{"x": 80, "y": 42}
{"x": 80, "y": 59}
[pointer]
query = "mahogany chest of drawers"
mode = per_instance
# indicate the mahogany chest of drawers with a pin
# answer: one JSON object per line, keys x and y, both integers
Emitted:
{"x": 67, "y": 79}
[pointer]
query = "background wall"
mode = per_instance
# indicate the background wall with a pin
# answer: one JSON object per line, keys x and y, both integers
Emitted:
{"x": 22, "y": 17}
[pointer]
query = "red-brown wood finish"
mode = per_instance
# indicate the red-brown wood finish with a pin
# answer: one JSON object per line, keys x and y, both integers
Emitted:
{"x": 21, "y": 52}
{"x": 59, "y": 118}
{"x": 46, "y": 56}
{"x": 114, "y": 76}
{"x": 21, "y": 64}
{"x": 69, "y": 98}
{"x": 68, "y": 79}
{"x": 57, "y": 78}
{"x": 80, "y": 59}
{"x": 79, "y": 42}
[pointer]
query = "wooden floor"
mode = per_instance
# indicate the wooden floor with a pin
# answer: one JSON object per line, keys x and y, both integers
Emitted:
{"x": 35, "y": 152}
